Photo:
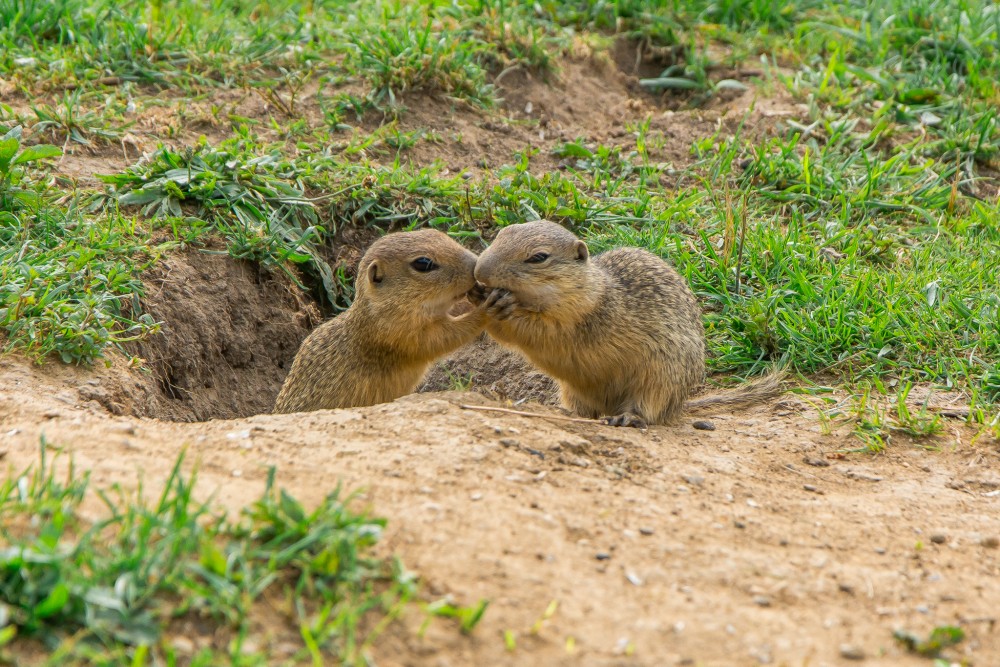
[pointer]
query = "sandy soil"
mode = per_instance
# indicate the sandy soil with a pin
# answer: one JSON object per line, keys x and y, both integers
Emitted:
{"x": 760, "y": 542}
{"x": 756, "y": 543}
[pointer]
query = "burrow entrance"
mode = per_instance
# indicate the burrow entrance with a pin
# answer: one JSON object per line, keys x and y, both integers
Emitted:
{"x": 230, "y": 329}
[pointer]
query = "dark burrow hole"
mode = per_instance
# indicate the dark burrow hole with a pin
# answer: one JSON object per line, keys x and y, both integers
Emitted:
{"x": 230, "y": 329}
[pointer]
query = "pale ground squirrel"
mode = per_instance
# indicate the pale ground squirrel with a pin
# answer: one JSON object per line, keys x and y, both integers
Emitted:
{"x": 379, "y": 349}
{"x": 620, "y": 332}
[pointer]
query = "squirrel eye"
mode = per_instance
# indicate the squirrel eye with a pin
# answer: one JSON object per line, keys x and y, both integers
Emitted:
{"x": 537, "y": 258}
{"x": 423, "y": 264}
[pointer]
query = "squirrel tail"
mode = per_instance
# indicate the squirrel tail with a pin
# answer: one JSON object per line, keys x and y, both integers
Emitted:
{"x": 755, "y": 392}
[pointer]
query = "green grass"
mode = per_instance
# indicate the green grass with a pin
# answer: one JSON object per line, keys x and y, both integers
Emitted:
{"x": 128, "y": 587}
{"x": 69, "y": 282}
{"x": 253, "y": 201}
{"x": 184, "y": 43}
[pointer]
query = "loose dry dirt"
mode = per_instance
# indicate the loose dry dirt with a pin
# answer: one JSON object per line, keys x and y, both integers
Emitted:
{"x": 757, "y": 543}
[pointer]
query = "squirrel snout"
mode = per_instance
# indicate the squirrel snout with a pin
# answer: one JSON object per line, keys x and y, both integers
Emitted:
{"x": 483, "y": 271}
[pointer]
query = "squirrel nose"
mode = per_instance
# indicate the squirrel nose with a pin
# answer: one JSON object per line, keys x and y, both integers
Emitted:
{"x": 484, "y": 270}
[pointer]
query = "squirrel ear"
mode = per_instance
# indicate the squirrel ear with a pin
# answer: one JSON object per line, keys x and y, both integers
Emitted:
{"x": 375, "y": 275}
{"x": 582, "y": 252}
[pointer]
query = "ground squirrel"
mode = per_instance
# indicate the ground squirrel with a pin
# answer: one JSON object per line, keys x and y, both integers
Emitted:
{"x": 621, "y": 332}
{"x": 379, "y": 349}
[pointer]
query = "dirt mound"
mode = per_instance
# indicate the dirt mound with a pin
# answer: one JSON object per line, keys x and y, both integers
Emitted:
{"x": 490, "y": 369}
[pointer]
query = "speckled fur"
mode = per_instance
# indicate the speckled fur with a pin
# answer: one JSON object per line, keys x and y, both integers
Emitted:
{"x": 380, "y": 347}
{"x": 621, "y": 332}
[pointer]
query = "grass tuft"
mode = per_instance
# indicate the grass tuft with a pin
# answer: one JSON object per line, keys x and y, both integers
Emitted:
{"x": 69, "y": 283}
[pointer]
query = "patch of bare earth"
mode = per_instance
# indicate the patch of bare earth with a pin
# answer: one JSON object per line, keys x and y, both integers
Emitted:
{"x": 756, "y": 543}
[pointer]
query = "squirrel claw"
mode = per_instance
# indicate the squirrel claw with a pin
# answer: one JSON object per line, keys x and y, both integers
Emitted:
{"x": 500, "y": 304}
{"x": 626, "y": 419}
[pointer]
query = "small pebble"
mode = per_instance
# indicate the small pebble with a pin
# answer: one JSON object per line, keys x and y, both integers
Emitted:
{"x": 602, "y": 555}
{"x": 509, "y": 442}
{"x": 703, "y": 425}
{"x": 816, "y": 461}
{"x": 813, "y": 489}
{"x": 862, "y": 476}
{"x": 578, "y": 461}
{"x": 646, "y": 531}
{"x": 938, "y": 538}
{"x": 476, "y": 496}
{"x": 991, "y": 542}
{"x": 851, "y": 652}
{"x": 693, "y": 480}
{"x": 762, "y": 601}
{"x": 633, "y": 578}
{"x": 880, "y": 550}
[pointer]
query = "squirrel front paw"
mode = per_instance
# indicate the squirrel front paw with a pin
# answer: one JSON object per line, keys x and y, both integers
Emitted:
{"x": 500, "y": 304}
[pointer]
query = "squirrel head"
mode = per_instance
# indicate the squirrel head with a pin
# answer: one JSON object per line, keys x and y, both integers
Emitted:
{"x": 540, "y": 262}
{"x": 425, "y": 269}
